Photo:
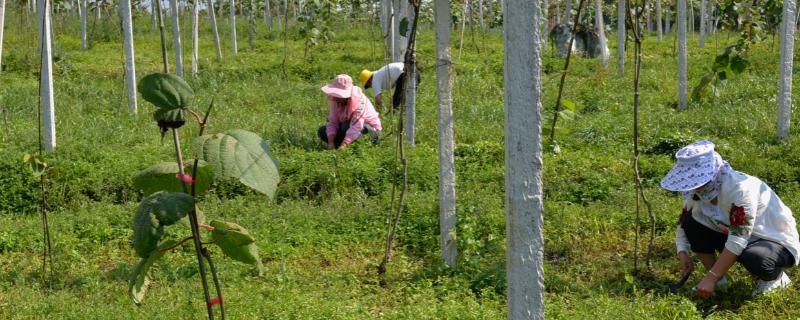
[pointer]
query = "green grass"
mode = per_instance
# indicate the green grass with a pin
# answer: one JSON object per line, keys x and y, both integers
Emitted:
{"x": 323, "y": 236}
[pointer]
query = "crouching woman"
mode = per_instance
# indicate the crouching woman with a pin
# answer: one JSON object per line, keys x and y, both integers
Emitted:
{"x": 732, "y": 213}
{"x": 351, "y": 114}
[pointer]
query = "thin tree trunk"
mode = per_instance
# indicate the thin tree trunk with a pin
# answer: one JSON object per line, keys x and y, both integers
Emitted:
{"x": 691, "y": 17}
{"x": 163, "y": 33}
{"x": 153, "y": 18}
{"x": 213, "y": 18}
{"x": 659, "y": 21}
{"x": 278, "y": 13}
{"x": 601, "y": 31}
{"x": 130, "y": 64}
{"x": 620, "y": 38}
{"x": 2, "y": 22}
{"x": 667, "y": 24}
{"x": 567, "y": 12}
{"x": 703, "y": 23}
{"x": 797, "y": 19}
{"x": 490, "y": 8}
{"x": 98, "y": 6}
{"x": 481, "y": 16}
{"x": 411, "y": 93}
{"x": 251, "y": 21}
{"x": 683, "y": 98}
{"x": 268, "y": 16}
{"x": 195, "y": 36}
{"x": 787, "y": 55}
{"x": 401, "y": 11}
{"x": 545, "y": 23}
{"x": 711, "y": 9}
{"x": 523, "y": 141}
{"x": 176, "y": 36}
{"x": 233, "y": 27}
{"x": 447, "y": 173}
{"x": 46, "y": 77}
{"x": 84, "y": 13}
{"x": 464, "y": 26}
{"x": 387, "y": 26}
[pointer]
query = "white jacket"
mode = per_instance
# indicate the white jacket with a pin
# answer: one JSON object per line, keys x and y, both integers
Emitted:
{"x": 766, "y": 217}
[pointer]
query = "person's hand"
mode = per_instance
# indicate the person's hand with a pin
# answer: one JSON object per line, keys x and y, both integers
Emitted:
{"x": 705, "y": 289}
{"x": 687, "y": 265}
{"x": 343, "y": 146}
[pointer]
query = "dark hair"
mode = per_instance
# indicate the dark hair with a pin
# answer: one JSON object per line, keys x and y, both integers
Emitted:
{"x": 369, "y": 83}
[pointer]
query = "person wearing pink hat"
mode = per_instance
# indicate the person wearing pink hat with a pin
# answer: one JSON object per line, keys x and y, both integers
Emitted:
{"x": 351, "y": 114}
{"x": 735, "y": 214}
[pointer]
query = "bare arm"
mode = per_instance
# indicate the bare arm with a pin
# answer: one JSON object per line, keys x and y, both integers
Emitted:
{"x": 724, "y": 262}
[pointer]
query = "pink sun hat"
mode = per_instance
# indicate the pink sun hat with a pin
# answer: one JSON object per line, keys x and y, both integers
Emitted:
{"x": 696, "y": 165}
{"x": 340, "y": 87}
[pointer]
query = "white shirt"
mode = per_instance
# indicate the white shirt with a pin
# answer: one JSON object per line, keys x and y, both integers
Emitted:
{"x": 766, "y": 217}
{"x": 386, "y": 77}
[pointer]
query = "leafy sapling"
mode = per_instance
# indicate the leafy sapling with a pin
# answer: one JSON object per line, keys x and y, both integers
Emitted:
{"x": 171, "y": 188}
{"x": 40, "y": 169}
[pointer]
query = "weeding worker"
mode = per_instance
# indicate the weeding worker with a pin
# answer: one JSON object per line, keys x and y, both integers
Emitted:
{"x": 735, "y": 214}
{"x": 351, "y": 114}
{"x": 391, "y": 75}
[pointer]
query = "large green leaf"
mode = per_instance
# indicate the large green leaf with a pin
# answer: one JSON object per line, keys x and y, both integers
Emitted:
{"x": 139, "y": 282}
{"x": 168, "y": 119}
{"x": 166, "y": 91}
{"x": 243, "y": 155}
{"x": 236, "y": 243}
{"x": 738, "y": 64}
{"x": 167, "y": 207}
{"x": 161, "y": 177}
{"x": 146, "y": 232}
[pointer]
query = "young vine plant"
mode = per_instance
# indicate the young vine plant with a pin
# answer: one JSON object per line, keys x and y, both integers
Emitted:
{"x": 171, "y": 188}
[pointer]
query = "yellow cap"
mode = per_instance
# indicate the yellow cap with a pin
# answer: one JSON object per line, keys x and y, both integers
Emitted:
{"x": 364, "y": 76}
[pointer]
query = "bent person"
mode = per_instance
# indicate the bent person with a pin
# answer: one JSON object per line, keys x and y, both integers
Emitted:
{"x": 351, "y": 114}
{"x": 390, "y": 76}
{"x": 732, "y": 213}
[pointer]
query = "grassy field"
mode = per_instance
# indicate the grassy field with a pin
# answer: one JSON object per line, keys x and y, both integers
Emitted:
{"x": 323, "y": 236}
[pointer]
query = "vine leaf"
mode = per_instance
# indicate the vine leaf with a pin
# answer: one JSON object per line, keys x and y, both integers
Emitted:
{"x": 568, "y": 104}
{"x": 243, "y": 155}
{"x": 236, "y": 243}
{"x": 154, "y": 212}
{"x": 139, "y": 282}
{"x": 166, "y": 91}
{"x": 146, "y": 233}
{"x": 404, "y": 28}
{"x": 36, "y": 163}
{"x": 161, "y": 177}
{"x": 701, "y": 89}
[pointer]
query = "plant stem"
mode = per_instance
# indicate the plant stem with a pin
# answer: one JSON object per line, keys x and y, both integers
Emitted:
{"x": 198, "y": 247}
{"x": 217, "y": 285}
{"x": 409, "y": 61}
{"x": 163, "y": 37}
{"x": 640, "y": 196}
{"x": 47, "y": 253}
{"x": 177, "y": 244}
{"x": 564, "y": 73}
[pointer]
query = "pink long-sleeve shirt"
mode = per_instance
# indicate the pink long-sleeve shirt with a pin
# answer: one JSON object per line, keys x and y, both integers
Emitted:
{"x": 357, "y": 112}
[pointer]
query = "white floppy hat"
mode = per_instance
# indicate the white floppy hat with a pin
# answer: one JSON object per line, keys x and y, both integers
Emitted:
{"x": 696, "y": 166}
